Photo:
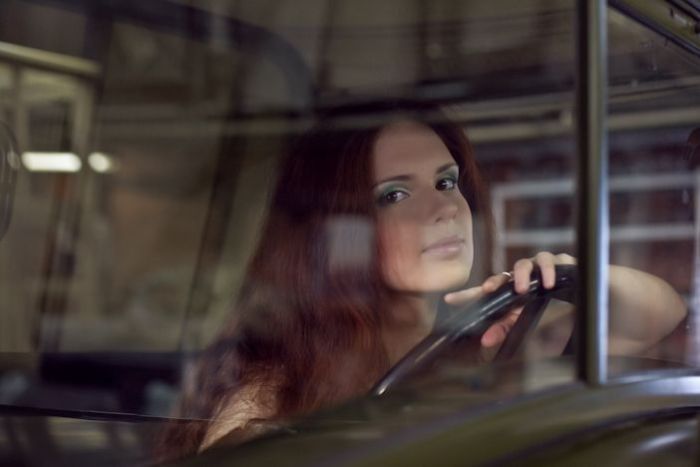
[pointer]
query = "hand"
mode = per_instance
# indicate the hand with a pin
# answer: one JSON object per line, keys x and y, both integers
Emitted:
{"x": 496, "y": 334}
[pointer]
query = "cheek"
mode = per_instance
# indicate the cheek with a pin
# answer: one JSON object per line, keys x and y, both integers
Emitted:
{"x": 468, "y": 221}
{"x": 399, "y": 246}
{"x": 401, "y": 238}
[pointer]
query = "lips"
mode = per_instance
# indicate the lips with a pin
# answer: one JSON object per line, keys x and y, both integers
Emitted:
{"x": 447, "y": 246}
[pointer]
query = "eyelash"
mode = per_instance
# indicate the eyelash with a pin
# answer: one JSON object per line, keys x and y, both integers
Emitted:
{"x": 384, "y": 199}
{"x": 450, "y": 178}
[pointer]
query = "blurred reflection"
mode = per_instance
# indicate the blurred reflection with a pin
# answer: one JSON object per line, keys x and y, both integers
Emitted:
{"x": 146, "y": 242}
{"x": 9, "y": 166}
{"x": 371, "y": 231}
{"x": 367, "y": 228}
{"x": 349, "y": 242}
{"x": 654, "y": 184}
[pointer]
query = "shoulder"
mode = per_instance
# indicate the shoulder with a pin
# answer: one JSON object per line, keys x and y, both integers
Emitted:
{"x": 239, "y": 414}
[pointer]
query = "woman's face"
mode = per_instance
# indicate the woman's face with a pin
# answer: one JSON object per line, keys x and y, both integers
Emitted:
{"x": 424, "y": 222}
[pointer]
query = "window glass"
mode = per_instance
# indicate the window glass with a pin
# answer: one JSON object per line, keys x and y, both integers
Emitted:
{"x": 653, "y": 89}
{"x": 139, "y": 237}
{"x": 6, "y": 81}
{"x": 224, "y": 197}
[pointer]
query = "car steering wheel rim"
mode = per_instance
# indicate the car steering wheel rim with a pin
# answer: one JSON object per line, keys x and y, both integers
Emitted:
{"x": 475, "y": 318}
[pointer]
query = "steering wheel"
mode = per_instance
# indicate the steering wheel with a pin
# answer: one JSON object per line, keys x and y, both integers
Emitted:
{"x": 473, "y": 320}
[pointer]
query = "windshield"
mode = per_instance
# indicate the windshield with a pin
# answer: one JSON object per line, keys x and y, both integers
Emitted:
{"x": 270, "y": 202}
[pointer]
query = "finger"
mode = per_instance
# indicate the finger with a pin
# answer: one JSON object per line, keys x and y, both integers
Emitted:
{"x": 463, "y": 296}
{"x": 546, "y": 262}
{"x": 563, "y": 258}
{"x": 494, "y": 282}
{"x": 521, "y": 274}
{"x": 497, "y": 332}
{"x": 487, "y": 354}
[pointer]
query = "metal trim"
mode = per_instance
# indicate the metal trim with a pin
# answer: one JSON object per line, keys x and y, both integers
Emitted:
{"x": 664, "y": 18}
{"x": 592, "y": 227}
{"x": 48, "y": 60}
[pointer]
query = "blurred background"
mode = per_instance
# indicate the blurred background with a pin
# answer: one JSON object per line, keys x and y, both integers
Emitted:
{"x": 149, "y": 132}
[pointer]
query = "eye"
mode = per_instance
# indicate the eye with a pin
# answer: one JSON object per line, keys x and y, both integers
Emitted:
{"x": 446, "y": 183}
{"x": 392, "y": 196}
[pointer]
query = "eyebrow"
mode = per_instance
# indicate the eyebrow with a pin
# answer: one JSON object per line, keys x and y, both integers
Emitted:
{"x": 402, "y": 178}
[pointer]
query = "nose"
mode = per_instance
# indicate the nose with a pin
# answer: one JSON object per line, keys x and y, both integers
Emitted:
{"x": 443, "y": 208}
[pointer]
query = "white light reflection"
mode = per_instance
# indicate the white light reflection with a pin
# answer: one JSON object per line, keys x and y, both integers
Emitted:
{"x": 101, "y": 163}
{"x": 349, "y": 242}
{"x": 51, "y": 161}
{"x": 13, "y": 160}
{"x": 663, "y": 441}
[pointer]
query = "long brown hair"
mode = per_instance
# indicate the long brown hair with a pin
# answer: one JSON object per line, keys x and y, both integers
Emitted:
{"x": 306, "y": 327}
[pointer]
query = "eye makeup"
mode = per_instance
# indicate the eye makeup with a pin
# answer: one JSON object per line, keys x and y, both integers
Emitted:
{"x": 448, "y": 179}
{"x": 392, "y": 191}
{"x": 391, "y": 194}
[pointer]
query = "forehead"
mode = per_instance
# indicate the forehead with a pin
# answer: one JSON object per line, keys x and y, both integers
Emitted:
{"x": 407, "y": 147}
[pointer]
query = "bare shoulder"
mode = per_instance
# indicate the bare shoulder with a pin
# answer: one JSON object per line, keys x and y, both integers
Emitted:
{"x": 249, "y": 404}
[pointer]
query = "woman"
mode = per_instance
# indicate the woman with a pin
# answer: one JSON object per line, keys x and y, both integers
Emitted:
{"x": 368, "y": 230}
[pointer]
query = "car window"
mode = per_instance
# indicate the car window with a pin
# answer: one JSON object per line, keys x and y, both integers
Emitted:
{"x": 652, "y": 172}
{"x": 155, "y": 146}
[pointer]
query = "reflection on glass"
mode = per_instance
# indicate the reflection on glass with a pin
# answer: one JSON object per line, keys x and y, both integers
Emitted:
{"x": 196, "y": 253}
{"x": 6, "y": 82}
{"x": 653, "y": 200}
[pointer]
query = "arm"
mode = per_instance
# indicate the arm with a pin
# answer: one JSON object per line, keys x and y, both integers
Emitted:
{"x": 643, "y": 307}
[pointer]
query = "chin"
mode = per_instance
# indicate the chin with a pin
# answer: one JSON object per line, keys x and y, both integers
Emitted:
{"x": 432, "y": 278}
{"x": 448, "y": 279}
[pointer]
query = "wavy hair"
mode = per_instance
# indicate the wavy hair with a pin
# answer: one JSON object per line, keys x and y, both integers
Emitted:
{"x": 307, "y": 323}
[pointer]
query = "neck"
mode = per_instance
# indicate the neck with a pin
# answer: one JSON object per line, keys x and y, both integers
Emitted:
{"x": 411, "y": 320}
